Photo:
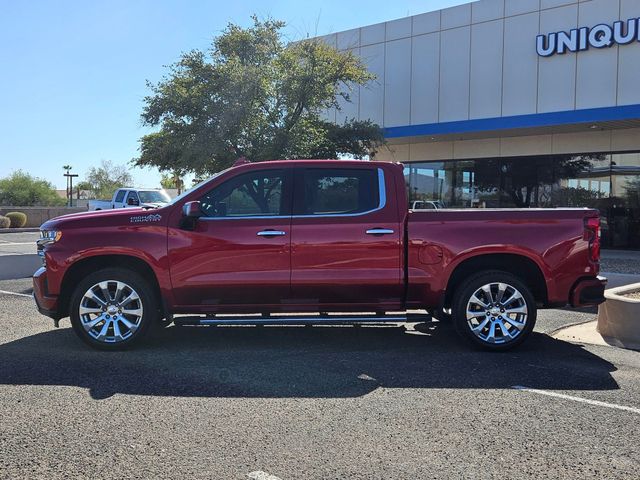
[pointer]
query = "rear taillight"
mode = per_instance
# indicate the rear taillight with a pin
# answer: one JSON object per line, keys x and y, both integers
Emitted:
{"x": 592, "y": 235}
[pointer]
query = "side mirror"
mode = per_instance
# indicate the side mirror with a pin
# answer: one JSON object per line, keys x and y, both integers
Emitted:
{"x": 132, "y": 202}
{"x": 191, "y": 210}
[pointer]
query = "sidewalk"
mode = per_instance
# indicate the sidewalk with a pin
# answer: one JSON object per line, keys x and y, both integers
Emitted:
{"x": 621, "y": 267}
{"x": 18, "y": 258}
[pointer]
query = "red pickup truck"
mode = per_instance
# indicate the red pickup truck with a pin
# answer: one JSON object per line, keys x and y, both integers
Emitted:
{"x": 314, "y": 237}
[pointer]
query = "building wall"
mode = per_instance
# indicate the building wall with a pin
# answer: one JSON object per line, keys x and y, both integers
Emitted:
{"x": 479, "y": 60}
{"x": 36, "y": 216}
{"x": 622, "y": 140}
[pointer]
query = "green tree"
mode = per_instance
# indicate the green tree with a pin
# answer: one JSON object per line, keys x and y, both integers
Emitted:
{"x": 252, "y": 95}
{"x": 172, "y": 181}
{"x": 21, "y": 189}
{"x": 102, "y": 181}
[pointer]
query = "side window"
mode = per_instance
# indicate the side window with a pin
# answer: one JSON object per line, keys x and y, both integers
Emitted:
{"x": 133, "y": 196}
{"x": 120, "y": 196}
{"x": 338, "y": 191}
{"x": 248, "y": 195}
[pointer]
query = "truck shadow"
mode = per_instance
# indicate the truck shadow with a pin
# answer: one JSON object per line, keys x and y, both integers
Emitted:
{"x": 297, "y": 362}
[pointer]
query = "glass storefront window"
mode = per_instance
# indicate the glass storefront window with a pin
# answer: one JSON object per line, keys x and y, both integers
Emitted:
{"x": 607, "y": 182}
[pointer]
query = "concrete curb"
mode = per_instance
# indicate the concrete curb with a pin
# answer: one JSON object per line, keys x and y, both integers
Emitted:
{"x": 587, "y": 333}
{"x": 18, "y": 266}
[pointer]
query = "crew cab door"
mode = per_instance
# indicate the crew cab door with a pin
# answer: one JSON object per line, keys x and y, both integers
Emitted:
{"x": 238, "y": 252}
{"x": 346, "y": 238}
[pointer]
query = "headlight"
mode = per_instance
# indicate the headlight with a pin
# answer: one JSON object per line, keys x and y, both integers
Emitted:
{"x": 51, "y": 235}
{"x": 47, "y": 237}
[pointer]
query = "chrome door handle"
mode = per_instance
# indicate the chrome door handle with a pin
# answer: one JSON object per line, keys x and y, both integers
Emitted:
{"x": 271, "y": 233}
{"x": 379, "y": 231}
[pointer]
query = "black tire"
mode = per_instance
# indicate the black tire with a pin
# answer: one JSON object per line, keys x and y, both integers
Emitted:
{"x": 145, "y": 301}
{"x": 505, "y": 335}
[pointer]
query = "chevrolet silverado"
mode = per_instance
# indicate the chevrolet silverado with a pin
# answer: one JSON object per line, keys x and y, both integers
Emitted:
{"x": 260, "y": 241}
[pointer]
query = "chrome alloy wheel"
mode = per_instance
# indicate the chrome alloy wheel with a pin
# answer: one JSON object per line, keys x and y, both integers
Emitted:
{"x": 497, "y": 313}
{"x": 110, "y": 311}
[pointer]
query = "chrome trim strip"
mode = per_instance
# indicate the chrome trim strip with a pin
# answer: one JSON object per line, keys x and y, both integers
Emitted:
{"x": 381, "y": 204}
{"x": 379, "y": 231}
{"x": 257, "y": 217}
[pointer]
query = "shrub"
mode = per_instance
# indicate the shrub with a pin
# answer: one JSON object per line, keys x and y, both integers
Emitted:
{"x": 18, "y": 219}
{"x": 4, "y": 222}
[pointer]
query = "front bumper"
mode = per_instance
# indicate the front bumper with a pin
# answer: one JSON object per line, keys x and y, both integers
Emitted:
{"x": 47, "y": 304}
{"x": 588, "y": 292}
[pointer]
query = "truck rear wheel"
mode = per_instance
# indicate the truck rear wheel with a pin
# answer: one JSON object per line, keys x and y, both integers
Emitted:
{"x": 494, "y": 310}
{"x": 113, "y": 309}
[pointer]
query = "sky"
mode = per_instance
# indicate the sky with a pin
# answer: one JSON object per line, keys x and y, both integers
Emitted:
{"x": 73, "y": 73}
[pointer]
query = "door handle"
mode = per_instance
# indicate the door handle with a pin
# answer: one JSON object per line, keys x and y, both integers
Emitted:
{"x": 271, "y": 233}
{"x": 379, "y": 231}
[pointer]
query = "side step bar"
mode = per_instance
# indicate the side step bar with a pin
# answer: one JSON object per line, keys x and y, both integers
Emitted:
{"x": 301, "y": 319}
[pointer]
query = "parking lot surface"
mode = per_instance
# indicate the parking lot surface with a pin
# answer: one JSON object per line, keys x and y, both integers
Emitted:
{"x": 18, "y": 243}
{"x": 292, "y": 403}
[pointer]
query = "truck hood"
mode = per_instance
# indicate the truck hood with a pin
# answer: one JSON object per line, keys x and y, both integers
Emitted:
{"x": 154, "y": 204}
{"x": 115, "y": 217}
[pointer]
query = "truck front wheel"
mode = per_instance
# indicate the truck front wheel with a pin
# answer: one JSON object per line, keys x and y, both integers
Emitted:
{"x": 112, "y": 309}
{"x": 494, "y": 310}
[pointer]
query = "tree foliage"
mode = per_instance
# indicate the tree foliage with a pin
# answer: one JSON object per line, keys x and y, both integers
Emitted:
{"x": 23, "y": 190}
{"x": 102, "y": 181}
{"x": 171, "y": 180}
{"x": 252, "y": 95}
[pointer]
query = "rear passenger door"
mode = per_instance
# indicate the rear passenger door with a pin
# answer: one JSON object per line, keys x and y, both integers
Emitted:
{"x": 345, "y": 238}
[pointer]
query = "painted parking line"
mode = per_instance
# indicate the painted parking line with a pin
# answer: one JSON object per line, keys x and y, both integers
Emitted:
{"x": 4, "y": 292}
{"x": 260, "y": 475}
{"x": 578, "y": 399}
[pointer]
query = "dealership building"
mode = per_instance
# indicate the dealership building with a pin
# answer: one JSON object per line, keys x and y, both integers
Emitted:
{"x": 510, "y": 103}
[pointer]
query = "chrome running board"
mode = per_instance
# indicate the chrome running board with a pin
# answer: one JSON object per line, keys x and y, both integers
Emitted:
{"x": 337, "y": 319}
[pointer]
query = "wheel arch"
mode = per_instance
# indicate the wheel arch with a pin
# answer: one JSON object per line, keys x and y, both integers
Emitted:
{"x": 87, "y": 265}
{"x": 518, "y": 265}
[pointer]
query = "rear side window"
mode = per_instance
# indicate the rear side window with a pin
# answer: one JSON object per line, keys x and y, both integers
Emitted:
{"x": 337, "y": 191}
{"x": 120, "y": 195}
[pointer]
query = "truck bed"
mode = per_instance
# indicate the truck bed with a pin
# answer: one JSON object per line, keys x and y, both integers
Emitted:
{"x": 551, "y": 239}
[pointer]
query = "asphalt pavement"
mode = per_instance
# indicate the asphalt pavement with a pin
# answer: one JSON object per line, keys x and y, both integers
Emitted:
{"x": 303, "y": 403}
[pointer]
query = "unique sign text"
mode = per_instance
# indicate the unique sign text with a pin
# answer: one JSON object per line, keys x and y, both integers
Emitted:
{"x": 580, "y": 39}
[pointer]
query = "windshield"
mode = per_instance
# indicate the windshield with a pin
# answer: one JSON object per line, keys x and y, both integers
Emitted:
{"x": 153, "y": 196}
{"x": 187, "y": 192}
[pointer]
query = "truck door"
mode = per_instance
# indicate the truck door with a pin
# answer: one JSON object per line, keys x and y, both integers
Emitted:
{"x": 239, "y": 251}
{"x": 118, "y": 199}
{"x": 346, "y": 238}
